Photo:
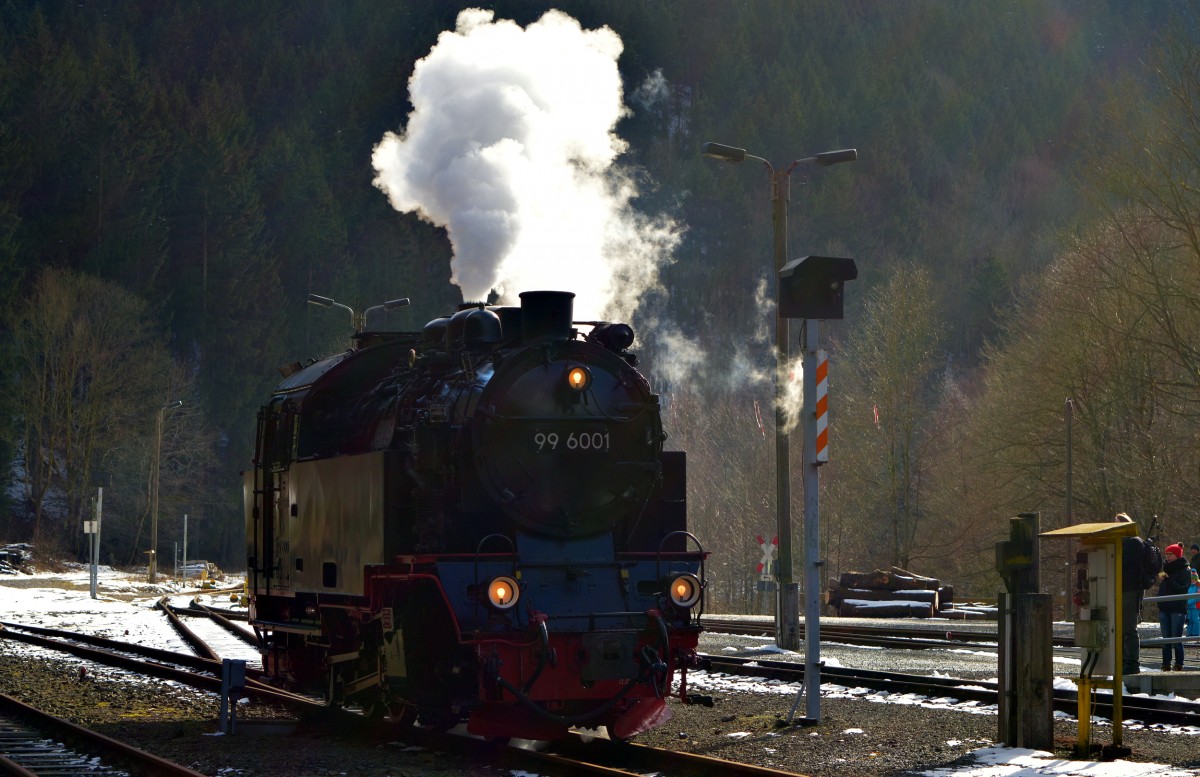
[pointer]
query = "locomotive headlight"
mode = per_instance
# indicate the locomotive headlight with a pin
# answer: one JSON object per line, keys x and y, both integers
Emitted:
{"x": 579, "y": 378}
{"x": 685, "y": 591}
{"x": 503, "y": 592}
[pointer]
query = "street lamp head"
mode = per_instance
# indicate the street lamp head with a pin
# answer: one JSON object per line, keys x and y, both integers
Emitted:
{"x": 827, "y": 158}
{"x": 727, "y": 153}
{"x": 170, "y": 405}
{"x": 317, "y": 299}
{"x": 403, "y": 302}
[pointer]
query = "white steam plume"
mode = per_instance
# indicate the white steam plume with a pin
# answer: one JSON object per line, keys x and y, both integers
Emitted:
{"x": 511, "y": 147}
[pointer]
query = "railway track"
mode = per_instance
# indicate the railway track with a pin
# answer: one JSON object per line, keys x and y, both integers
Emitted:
{"x": 891, "y": 636}
{"x": 572, "y": 756}
{"x": 1147, "y": 710}
{"x": 580, "y": 754}
{"x": 33, "y": 742}
{"x": 191, "y": 670}
{"x": 595, "y": 757}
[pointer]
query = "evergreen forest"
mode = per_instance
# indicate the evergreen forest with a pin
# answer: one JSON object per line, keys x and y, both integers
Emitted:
{"x": 1023, "y": 335}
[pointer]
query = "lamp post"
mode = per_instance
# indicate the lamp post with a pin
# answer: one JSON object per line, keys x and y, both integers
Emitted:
{"x": 787, "y": 615}
{"x": 1069, "y": 605}
{"x": 158, "y": 431}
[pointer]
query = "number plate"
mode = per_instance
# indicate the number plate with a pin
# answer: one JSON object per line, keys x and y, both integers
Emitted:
{"x": 568, "y": 442}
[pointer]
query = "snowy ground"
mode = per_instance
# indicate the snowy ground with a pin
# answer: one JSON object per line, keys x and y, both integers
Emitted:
{"x": 124, "y": 609}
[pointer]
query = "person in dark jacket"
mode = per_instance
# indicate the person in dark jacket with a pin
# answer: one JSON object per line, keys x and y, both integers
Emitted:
{"x": 1175, "y": 579}
{"x": 1194, "y": 561}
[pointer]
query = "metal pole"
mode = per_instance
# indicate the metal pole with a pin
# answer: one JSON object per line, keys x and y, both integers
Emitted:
{"x": 158, "y": 432}
{"x": 812, "y": 523}
{"x": 787, "y": 615}
{"x": 91, "y": 550}
{"x": 1070, "y": 413}
{"x": 185, "y": 572}
{"x": 96, "y": 541}
{"x": 158, "y": 424}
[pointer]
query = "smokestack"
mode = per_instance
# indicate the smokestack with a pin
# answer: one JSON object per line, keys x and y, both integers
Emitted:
{"x": 546, "y": 315}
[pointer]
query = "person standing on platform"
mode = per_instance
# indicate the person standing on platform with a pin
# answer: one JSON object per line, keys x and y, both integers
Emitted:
{"x": 1171, "y": 615}
{"x": 1192, "y": 626}
{"x": 1194, "y": 561}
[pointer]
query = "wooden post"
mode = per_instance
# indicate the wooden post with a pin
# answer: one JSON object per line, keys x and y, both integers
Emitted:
{"x": 1026, "y": 674}
{"x": 1006, "y": 709}
{"x": 1033, "y": 671}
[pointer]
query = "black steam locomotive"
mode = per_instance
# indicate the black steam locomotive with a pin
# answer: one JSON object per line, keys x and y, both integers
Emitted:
{"x": 476, "y": 522}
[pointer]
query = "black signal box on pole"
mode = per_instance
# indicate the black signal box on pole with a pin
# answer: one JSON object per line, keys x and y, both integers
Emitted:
{"x": 812, "y": 286}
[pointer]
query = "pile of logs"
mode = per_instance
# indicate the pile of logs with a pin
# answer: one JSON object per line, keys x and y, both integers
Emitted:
{"x": 897, "y": 593}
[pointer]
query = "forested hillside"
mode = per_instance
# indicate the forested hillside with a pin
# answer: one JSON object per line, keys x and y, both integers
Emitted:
{"x": 176, "y": 178}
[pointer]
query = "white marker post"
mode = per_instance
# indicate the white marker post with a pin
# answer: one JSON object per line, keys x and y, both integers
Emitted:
{"x": 92, "y": 529}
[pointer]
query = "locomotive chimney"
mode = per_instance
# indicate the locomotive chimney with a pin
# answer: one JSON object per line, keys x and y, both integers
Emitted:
{"x": 546, "y": 315}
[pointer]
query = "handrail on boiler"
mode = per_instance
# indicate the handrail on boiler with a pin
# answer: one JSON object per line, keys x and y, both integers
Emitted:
{"x": 703, "y": 556}
{"x": 512, "y": 549}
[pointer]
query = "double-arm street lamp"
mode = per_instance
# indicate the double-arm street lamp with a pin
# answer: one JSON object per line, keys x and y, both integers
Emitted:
{"x": 787, "y": 614}
{"x": 158, "y": 433}
{"x": 358, "y": 320}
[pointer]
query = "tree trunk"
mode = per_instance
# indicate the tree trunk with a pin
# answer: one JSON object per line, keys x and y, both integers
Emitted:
{"x": 928, "y": 596}
{"x": 861, "y": 608}
{"x": 888, "y": 581}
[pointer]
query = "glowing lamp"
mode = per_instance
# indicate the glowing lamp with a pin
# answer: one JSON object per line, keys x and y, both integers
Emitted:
{"x": 685, "y": 591}
{"x": 503, "y": 593}
{"x": 578, "y": 378}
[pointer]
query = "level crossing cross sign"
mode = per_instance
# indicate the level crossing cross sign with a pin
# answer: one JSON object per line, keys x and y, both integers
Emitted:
{"x": 766, "y": 566}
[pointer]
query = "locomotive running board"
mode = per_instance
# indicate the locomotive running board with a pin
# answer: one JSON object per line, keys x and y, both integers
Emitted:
{"x": 294, "y": 628}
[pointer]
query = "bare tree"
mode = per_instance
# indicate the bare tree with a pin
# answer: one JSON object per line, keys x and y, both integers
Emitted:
{"x": 89, "y": 361}
{"x": 730, "y": 482}
{"x": 890, "y": 365}
{"x": 1113, "y": 325}
{"x": 1148, "y": 186}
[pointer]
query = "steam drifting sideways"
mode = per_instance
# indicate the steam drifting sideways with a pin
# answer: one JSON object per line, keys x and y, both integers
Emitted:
{"x": 511, "y": 147}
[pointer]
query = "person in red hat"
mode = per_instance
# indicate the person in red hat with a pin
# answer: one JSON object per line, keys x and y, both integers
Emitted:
{"x": 1175, "y": 579}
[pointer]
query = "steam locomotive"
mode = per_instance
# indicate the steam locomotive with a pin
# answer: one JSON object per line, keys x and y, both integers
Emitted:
{"x": 476, "y": 522}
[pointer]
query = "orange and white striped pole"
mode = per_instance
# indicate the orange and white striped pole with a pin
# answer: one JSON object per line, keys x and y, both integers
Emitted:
{"x": 822, "y": 407}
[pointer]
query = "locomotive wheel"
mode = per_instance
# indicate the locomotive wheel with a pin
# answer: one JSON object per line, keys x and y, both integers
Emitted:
{"x": 438, "y": 718}
{"x": 401, "y": 714}
{"x": 377, "y": 708}
{"x": 334, "y": 691}
{"x": 374, "y": 709}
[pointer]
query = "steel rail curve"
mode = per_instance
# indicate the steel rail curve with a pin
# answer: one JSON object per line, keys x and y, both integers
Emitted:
{"x": 25, "y": 753}
{"x": 220, "y": 618}
{"x": 200, "y": 646}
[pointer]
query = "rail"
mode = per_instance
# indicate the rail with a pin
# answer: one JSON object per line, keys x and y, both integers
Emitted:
{"x": 50, "y": 758}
